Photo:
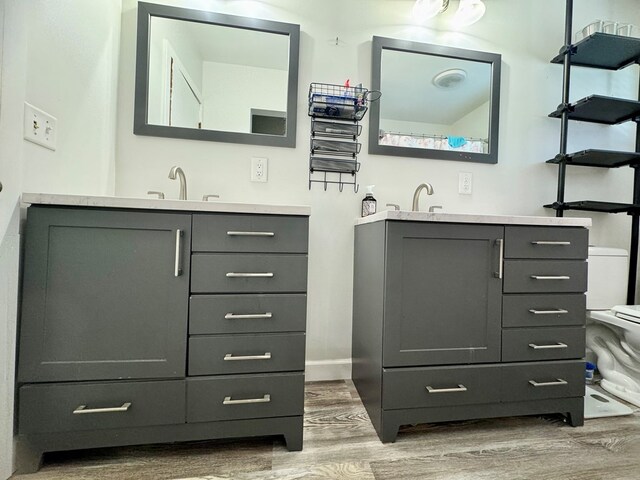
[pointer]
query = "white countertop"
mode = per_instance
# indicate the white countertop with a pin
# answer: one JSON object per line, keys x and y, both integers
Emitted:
{"x": 474, "y": 218}
{"x": 162, "y": 204}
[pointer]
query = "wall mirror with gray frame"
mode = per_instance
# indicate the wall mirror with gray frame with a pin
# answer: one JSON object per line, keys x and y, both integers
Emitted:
{"x": 437, "y": 102}
{"x": 208, "y": 76}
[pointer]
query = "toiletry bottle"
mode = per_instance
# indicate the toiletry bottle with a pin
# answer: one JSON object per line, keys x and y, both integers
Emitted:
{"x": 368, "y": 202}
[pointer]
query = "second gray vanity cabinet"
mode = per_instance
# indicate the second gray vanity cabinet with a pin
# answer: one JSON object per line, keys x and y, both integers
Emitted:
{"x": 449, "y": 325}
{"x": 442, "y": 295}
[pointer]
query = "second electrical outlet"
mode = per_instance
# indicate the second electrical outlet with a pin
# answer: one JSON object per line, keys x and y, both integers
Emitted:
{"x": 259, "y": 169}
{"x": 465, "y": 182}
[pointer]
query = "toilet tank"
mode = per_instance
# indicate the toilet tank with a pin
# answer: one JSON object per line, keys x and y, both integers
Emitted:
{"x": 608, "y": 276}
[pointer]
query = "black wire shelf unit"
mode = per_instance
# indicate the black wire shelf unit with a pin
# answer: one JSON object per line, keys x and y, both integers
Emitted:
{"x": 335, "y": 112}
{"x": 606, "y": 52}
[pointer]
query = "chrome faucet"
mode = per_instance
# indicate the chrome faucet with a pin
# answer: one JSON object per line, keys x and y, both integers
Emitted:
{"x": 183, "y": 181}
{"x": 416, "y": 194}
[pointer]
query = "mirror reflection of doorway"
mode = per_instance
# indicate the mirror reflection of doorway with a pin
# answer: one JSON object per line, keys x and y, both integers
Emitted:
{"x": 184, "y": 101}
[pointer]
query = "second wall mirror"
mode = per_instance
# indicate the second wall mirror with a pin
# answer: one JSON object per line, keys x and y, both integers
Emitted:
{"x": 437, "y": 102}
{"x": 207, "y": 76}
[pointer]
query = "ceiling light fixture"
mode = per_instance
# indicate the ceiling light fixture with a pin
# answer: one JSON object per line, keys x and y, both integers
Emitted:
{"x": 425, "y": 9}
{"x": 450, "y": 78}
{"x": 469, "y": 12}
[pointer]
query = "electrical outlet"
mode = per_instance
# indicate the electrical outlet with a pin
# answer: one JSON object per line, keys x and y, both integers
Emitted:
{"x": 259, "y": 169}
{"x": 40, "y": 127}
{"x": 465, "y": 183}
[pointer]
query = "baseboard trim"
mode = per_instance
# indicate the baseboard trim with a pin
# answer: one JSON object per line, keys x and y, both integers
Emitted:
{"x": 323, "y": 370}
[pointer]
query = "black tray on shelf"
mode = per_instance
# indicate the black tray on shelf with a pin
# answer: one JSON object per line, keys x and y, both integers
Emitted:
{"x": 334, "y": 147}
{"x": 596, "y": 206}
{"x": 319, "y": 164}
{"x": 599, "y": 158}
{"x": 603, "y": 50}
{"x": 601, "y": 109}
{"x": 337, "y": 102}
{"x": 323, "y": 128}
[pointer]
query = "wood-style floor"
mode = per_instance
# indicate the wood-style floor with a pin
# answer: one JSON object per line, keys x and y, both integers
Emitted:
{"x": 340, "y": 443}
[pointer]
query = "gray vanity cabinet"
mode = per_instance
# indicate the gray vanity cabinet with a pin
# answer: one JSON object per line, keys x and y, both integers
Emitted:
{"x": 431, "y": 268}
{"x": 458, "y": 321}
{"x": 106, "y": 354}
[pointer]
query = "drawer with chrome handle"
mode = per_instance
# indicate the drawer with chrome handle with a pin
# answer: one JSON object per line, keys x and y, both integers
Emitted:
{"x": 416, "y": 387}
{"x": 249, "y": 313}
{"x": 217, "y": 232}
{"x": 60, "y": 407}
{"x": 543, "y": 310}
{"x": 562, "y": 243}
{"x": 234, "y": 397}
{"x": 546, "y": 343}
{"x": 248, "y": 273}
{"x": 224, "y": 354}
{"x": 545, "y": 276}
{"x": 533, "y": 381}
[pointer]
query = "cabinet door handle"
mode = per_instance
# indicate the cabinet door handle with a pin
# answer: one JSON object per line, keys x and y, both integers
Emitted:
{"x": 498, "y": 274}
{"x": 82, "y": 409}
{"x": 250, "y": 234}
{"x": 551, "y": 277}
{"x": 549, "y": 242}
{"x": 233, "y": 316}
{"x": 230, "y": 356}
{"x": 558, "y": 381}
{"x": 548, "y": 312}
{"x": 553, "y": 345}
{"x": 265, "y": 399}
{"x": 459, "y": 388}
{"x": 177, "y": 270}
{"x": 249, "y": 275}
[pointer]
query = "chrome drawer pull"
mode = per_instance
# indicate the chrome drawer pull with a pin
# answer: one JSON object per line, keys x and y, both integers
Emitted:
{"x": 559, "y": 381}
{"x": 230, "y": 356}
{"x": 233, "y": 316}
{"x": 459, "y": 388}
{"x": 553, "y": 345}
{"x": 83, "y": 409}
{"x": 265, "y": 399}
{"x": 251, "y": 234}
{"x": 500, "y": 271}
{"x": 548, "y": 312}
{"x": 249, "y": 275}
{"x": 546, "y": 242}
{"x": 551, "y": 277}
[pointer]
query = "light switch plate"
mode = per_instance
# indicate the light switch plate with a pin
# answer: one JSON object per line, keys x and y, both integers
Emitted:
{"x": 40, "y": 127}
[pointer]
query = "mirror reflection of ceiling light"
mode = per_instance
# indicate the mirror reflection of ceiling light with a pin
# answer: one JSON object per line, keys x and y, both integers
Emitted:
{"x": 425, "y": 9}
{"x": 469, "y": 12}
{"x": 450, "y": 78}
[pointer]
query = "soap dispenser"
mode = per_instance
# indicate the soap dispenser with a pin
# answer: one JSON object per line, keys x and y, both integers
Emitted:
{"x": 369, "y": 202}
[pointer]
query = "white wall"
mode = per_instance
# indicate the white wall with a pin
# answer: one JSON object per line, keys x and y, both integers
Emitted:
{"x": 473, "y": 124}
{"x": 519, "y": 184}
{"x": 61, "y": 57}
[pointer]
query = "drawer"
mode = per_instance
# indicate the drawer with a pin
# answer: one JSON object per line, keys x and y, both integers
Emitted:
{"x": 220, "y": 354}
{"x": 552, "y": 276}
{"x": 545, "y": 310}
{"x": 535, "y": 381}
{"x": 250, "y": 233}
{"x": 230, "y": 273}
{"x": 440, "y": 386}
{"x": 237, "y": 397}
{"x": 526, "y": 344}
{"x": 58, "y": 407}
{"x": 546, "y": 242}
{"x": 247, "y": 313}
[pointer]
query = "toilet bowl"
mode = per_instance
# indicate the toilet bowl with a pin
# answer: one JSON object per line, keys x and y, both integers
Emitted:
{"x": 613, "y": 329}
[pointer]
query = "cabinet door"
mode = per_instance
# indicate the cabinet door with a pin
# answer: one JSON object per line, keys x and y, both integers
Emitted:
{"x": 442, "y": 294}
{"x": 102, "y": 297}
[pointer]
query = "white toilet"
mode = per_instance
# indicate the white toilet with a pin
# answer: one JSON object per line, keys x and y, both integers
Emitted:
{"x": 613, "y": 329}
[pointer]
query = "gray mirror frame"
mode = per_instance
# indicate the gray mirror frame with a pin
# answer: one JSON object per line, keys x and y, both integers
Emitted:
{"x": 140, "y": 125}
{"x": 494, "y": 59}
